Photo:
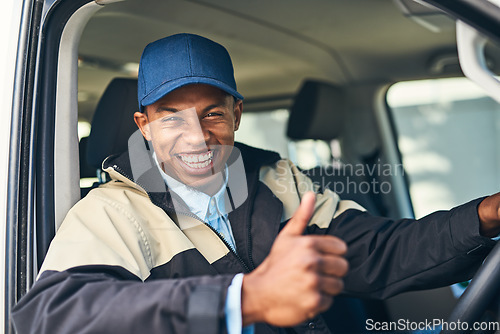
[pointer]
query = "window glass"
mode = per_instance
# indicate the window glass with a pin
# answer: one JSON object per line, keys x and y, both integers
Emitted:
{"x": 267, "y": 130}
{"x": 87, "y": 173}
{"x": 448, "y": 133}
{"x": 83, "y": 129}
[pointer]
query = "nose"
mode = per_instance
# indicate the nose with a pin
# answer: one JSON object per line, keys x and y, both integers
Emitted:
{"x": 195, "y": 134}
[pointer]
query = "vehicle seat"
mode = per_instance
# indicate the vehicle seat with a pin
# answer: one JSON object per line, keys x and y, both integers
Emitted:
{"x": 112, "y": 124}
{"x": 86, "y": 171}
{"x": 318, "y": 113}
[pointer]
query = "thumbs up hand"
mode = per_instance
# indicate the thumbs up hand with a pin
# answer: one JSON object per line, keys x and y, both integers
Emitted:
{"x": 299, "y": 277}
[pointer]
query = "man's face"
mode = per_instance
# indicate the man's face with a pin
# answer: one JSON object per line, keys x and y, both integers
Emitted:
{"x": 192, "y": 132}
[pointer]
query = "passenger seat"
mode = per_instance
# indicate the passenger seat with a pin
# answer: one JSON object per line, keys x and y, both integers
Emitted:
{"x": 112, "y": 124}
{"x": 318, "y": 113}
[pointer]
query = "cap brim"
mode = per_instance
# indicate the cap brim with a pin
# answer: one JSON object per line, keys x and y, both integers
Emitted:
{"x": 170, "y": 86}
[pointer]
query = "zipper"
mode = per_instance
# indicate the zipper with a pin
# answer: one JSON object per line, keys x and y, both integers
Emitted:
{"x": 188, "y": 214}
{"x": 227, "y": 244}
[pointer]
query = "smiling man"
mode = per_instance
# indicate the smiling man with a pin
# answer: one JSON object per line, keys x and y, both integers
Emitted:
{"x": 197, "y": 234}
{"x": 192, "y": 133}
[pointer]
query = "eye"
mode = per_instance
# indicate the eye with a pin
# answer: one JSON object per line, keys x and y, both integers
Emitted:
{"x": 214, "y": 114}
{"x": 171, "y": 120}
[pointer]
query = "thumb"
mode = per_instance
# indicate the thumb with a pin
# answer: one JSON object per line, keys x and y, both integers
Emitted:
{"x": 298, "y": 223}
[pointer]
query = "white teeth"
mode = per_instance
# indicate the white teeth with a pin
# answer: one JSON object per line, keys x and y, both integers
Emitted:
{"x": 197, "y": 160}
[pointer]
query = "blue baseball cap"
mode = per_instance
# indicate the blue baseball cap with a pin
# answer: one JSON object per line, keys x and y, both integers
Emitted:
{"x": 180, "y": 60}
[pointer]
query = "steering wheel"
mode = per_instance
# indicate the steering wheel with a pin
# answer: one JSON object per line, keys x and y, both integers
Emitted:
{"x": 481, "y": 292}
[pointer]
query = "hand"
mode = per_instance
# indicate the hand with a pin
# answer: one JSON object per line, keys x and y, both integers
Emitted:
{"x": 489, "y": 216}
{"x": 299, "y": 277}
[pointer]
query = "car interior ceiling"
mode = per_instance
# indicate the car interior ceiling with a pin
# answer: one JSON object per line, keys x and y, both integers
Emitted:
{"x": 274, "y": 45}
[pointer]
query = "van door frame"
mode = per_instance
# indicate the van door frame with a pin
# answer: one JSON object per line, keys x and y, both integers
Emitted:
{"x": 30, "y": 189}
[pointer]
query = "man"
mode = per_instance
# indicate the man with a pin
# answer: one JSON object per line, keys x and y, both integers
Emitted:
{"x": 196, "y": 234}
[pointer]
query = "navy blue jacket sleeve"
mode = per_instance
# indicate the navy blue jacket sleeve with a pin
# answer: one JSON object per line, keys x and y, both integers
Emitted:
{"x": 388, "y": 257}
{"x": 104, "y": 299}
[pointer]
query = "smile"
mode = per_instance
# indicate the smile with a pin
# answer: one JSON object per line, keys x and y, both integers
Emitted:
{"x": 197, "y": 161}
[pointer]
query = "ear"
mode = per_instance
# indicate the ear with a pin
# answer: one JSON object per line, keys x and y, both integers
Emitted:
{"x": 238, "y": 109}
{"x": 141, "y": 119}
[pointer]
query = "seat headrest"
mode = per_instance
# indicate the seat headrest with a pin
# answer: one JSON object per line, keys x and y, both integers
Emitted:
{"x": 317, "y": 112}
{"x": 113, "y": 121}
